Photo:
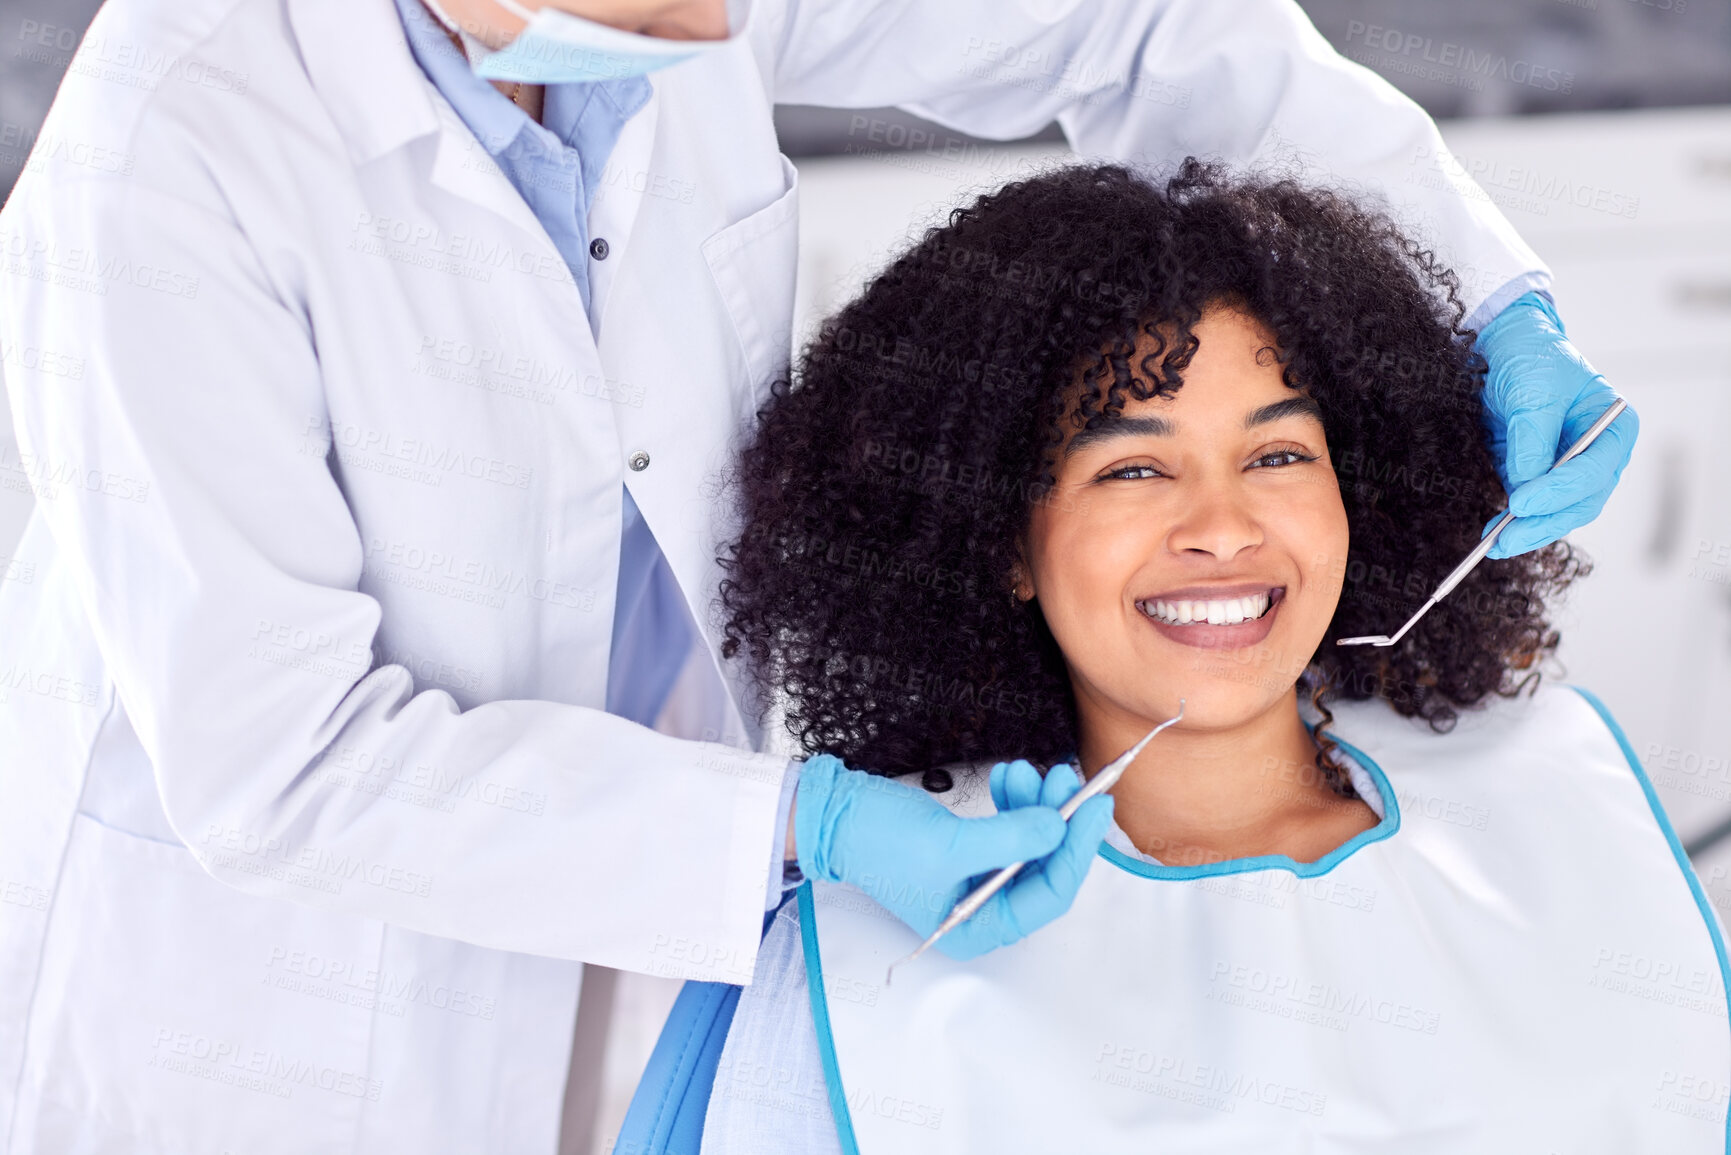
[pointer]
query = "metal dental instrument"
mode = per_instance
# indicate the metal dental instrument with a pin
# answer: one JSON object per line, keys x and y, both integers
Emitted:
{"x": 1477, "y": 555}
{"x": 1103, "y": 781}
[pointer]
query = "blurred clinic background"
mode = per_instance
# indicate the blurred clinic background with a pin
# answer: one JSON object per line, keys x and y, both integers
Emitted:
{"x": 1602, "y": 128}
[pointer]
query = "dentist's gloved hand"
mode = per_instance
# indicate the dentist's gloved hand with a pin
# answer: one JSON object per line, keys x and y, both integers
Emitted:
{"x": 916, "y": 859}
{"x": 1540, "y": 395}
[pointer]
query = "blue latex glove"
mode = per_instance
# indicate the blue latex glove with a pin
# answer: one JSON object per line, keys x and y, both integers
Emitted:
{"x": 1540, "y": 395}
{"x": 902, "y": 847}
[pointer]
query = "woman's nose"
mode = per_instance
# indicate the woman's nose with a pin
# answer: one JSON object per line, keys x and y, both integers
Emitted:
{"x": 1216, "y": 521}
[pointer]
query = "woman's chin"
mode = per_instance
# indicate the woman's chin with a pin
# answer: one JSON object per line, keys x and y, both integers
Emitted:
{"x": 1212, "y": 701}
{"x": 1239, "y": 683}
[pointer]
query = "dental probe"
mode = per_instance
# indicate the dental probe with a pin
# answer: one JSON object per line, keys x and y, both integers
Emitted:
{"x": 1477, "y": 555}
{"x": 1104, "y": 780}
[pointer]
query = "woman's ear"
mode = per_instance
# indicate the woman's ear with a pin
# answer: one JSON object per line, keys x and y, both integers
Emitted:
{"x": 1021, "y": 585}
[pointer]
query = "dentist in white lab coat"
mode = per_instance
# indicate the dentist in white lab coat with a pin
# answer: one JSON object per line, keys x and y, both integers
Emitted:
{"x": 333, "y": 739}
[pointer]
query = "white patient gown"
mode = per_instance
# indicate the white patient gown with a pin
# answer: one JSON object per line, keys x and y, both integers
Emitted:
{"x": 1516, "y": 959}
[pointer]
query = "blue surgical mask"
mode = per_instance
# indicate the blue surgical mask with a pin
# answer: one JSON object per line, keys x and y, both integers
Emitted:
{"x": 559, "y": 48}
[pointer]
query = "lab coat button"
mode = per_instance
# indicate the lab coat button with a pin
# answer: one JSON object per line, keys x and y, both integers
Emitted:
{"x": 639, "y": 461}
{"x": 598, "y": 248}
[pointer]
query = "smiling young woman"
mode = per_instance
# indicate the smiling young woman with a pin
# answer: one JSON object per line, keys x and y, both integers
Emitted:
{"x": 1185, "y": 539}
{"x": 1096, "y": 446}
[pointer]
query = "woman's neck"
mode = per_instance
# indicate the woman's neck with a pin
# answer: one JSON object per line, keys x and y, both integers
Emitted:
{"x": 1200, "y": 797}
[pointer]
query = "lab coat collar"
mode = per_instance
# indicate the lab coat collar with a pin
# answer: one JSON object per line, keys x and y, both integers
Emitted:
{"x": 357, "y": 55}
{"x": 358, "y": 59}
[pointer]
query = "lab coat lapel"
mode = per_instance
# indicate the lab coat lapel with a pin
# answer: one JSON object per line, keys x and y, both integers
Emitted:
{"x": 358, "y": 60}
{"x": 463, "y": 167}
{"x": 356, "y": 54}
{"x": 625, "y": 181}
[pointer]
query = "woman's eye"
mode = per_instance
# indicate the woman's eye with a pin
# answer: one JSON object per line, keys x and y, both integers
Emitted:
{"x": 1284, "y": 457}
{"x": 1132, "y": 472}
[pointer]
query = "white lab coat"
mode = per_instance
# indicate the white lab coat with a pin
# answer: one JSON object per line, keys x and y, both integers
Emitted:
{"x": 309, "y": 810}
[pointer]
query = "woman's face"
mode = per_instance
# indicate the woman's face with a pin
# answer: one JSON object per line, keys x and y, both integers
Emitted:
{"x": 1193, "y": 547}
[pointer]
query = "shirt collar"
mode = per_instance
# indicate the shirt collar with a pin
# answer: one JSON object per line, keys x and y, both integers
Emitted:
{"x": 496, "y": 121}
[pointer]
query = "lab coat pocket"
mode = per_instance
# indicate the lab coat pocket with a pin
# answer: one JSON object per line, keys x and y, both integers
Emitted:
{"x": 754, "y": 261}
{"x": 177, "y": 1013}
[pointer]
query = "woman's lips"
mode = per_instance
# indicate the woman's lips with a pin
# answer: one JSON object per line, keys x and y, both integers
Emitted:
{"x": 1222, "y": 637}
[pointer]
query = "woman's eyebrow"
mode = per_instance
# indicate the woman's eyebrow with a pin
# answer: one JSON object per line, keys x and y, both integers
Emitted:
{"x": 1299, "y": 406}
{"x": 1119, "y": 427}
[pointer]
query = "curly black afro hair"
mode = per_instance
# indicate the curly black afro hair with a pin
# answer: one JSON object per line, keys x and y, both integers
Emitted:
{"x": 890, "y": 477}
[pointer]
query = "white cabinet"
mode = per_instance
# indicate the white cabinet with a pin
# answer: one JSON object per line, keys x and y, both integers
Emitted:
{"x": 1633, "y": 212}
{"x": 1649, "y": 631}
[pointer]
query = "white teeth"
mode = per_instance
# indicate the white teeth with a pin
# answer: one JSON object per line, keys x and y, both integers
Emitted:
{"x": 1226, "y": 611}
